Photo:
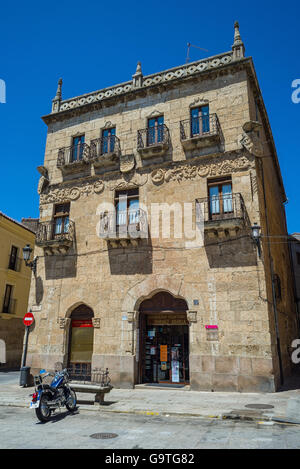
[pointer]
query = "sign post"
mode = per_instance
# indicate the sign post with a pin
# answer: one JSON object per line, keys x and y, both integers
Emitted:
{"x": 28, "y": 321}
{"x": 24, "y": 372}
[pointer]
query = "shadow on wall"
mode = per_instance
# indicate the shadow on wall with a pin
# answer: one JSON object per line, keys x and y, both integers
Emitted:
{"x": 131, "y": 260}
{"x": 39, "y": 290}
{"x": 232, "y": 252}
{"x": 62, "y": 265}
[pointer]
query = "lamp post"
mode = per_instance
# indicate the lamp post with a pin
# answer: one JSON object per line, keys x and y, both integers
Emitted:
{"x": 256, "y": 237}
{"x": 26, "y": 256}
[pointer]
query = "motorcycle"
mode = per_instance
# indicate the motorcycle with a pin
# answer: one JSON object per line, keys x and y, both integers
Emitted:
{"x": 49, "y": 397}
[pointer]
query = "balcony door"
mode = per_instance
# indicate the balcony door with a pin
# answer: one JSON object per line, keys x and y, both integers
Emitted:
{"x": 199, "y": 120}
{"x": 61, "y": 219}
{"x": 155, "y": 130}
{"x": 220, "y": 199}
{"x": 108, "y": 140}
{"x": 77, "y": 148}
{"x": 127, "y": 208}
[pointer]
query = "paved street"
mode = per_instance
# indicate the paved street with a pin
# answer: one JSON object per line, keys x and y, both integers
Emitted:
{"x": 20, "y": 429}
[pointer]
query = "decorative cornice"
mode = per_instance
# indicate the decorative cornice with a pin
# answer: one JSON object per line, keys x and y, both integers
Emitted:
{"x": 181, "y": 72}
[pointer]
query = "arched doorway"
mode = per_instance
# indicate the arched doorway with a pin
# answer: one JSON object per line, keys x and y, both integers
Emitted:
{"x": 164, "y": 340}
{"x": 81, "y": 342}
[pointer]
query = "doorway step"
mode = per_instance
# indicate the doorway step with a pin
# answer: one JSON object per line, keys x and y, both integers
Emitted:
{"x": 183, "y": 387}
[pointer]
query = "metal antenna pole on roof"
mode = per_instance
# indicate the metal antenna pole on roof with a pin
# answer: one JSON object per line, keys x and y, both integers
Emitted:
{"x": 189, "y": 45}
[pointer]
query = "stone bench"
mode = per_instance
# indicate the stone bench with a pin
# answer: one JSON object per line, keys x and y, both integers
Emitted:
{"x": 92, "y": 388}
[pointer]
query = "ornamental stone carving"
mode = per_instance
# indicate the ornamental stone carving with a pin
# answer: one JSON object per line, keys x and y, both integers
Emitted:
{"x": 250, "y": 139}
{"x": 63, "y": 322}
{"x": 129, "y": 180}
{"x": 127, "y": 163}
{"x": 71, "y": 193}
{"x": 192, "y": 316}
{"x": 183, "y": 172}
{"x": 96, "y": 323}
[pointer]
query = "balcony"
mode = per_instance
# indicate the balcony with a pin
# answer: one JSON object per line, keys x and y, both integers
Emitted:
{"x": 9, "y": 306}
{"x": 153, "y": 141}
{"x": 200, "y": 132}
{"x": 74, "y": 158}
{"x": 52, "y": 239}
{"x": 124, "y": 228}
{"x": 223, "y": 216}
{"x": 105, "y": 151}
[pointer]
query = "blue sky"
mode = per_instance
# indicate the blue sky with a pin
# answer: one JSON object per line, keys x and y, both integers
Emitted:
{"x": 94, "y": 44}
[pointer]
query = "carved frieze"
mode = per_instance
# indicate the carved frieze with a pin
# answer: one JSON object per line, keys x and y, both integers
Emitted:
{"x": 71, "y": 193}
{"x": 129, "y": 180}
{"x": 208, "y": 169}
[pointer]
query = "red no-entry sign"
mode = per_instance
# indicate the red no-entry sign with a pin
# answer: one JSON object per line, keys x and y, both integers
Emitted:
{"x": 28, "y": 319}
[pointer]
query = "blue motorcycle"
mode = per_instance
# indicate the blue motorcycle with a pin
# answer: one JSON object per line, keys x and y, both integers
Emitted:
{"x": 49, "y": 397}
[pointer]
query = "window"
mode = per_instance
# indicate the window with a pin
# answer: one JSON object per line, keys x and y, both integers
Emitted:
{"x": 12, "y": 265}
{"x": 7, "y": 299}
{"x": 61, "y": 219}
{"x": 199, "y": 120}
{"x": 298, "y": 258}
{"x": 127, "y": 207}
{"x": 155, "y": 130}
{"x": 108, "y": 140}
{"x": 77, "y": 148}
{"x": 220, "y": 198}
{"x": 277, "y": 286}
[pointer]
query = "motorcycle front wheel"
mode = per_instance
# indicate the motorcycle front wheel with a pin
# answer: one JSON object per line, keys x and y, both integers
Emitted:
{"x": 71, "y": 401}
{"x": 43, "y": 412}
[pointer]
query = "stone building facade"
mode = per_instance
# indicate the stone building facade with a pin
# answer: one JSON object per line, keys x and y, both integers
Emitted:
{"x": 199, "y": 306}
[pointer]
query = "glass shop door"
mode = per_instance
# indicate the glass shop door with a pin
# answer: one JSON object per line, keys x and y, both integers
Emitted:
{"x": 166, "y": 355}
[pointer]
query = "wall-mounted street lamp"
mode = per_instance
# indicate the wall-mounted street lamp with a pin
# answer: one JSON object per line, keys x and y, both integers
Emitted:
{"x": 26, "y": 256}
{"x": 255, "y": 228}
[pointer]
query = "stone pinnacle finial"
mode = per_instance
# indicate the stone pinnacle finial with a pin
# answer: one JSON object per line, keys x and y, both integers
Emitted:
{"x": 238, "y": 45}
{"x": 58, "y": 91}
{"x": 138, "y": 76}
{"x": 57, "y": 99}
{"x": 138, "y": 68}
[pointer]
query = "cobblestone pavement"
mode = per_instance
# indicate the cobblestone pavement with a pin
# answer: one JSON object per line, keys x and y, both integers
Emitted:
{"x": 20, "y": 429}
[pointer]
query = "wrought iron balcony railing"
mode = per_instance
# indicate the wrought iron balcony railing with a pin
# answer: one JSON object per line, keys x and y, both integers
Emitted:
{"x": 105, "y": 149}
{"x": 199, "y": 131}
{"x": 128, "y": 225}
{"x": 55, "y": 238}
{"x": 73, "y": 155}
{"x": 225, "y": 207}
{"x": 9, "y": 306}
{"x": 153, "y": 140}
